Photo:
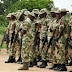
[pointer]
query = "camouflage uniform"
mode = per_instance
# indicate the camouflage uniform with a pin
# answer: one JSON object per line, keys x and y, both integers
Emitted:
{"x": 43, "y": 37}
{"x": 12, "y": 51}
{"x": 11, "y": 28}
{"x": 34, "y": 29}
{"x": 18, "y": 25}
{"x": 63, "y": 23}
{"x": 69, "y": 36}
{"x": 50, "y": 35}
{"x": 27, "y": 40}
{"x": 53, "y": 27}
{"x": 8, "y": 29}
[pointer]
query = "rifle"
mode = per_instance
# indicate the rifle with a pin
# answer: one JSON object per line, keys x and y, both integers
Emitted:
{"x": 22, "y": 33}
{"x": 50, "y": 42}
{"x": 37, "y": 37}
{"x": 13, "y": 34}
{"x": 4, "y": 37}
{"x": 12, "y": 38}
{"x": 7, "y": 41}
{"x": 44, "y": 40}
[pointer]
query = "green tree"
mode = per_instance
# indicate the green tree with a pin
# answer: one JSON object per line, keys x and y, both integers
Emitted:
{"x": 1, "y": 9}
{"x": 7, "y": 3}
{"x": 30, "y": 5}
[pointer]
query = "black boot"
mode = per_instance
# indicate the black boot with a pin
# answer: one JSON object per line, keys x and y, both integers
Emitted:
{"x": 70, "y": 71}
{"x": 30, "y": 64}
{"x": 39, "y": 58}
{"x": 69, "y": 64}
{"x": 43, "y": 65}
{"x": 54, "y": 66}
{"x": 57, "y": 67}
{"x": 19, "y": 60}
{"x": 10, "y": 60}
{"x": 66, "y": 62}
{"x": 35, "y": 62}
{"x": 62, "y": 68}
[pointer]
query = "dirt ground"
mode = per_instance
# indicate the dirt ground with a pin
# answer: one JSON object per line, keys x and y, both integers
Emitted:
{"x": 13, "y": 67}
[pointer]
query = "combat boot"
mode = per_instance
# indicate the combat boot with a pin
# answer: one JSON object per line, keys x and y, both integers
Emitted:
{"x": 19, "y": 60}
{"x": 54, "y": 66}
{"x": 39, "y": 58}
{"x": 69, "y": 64}
{"x": 62, "y": 68}
{"x": 66, "y": 62}
{"x": 24, "y": 67}
{"x": 35, "y": 62}
{"x": 57, "y": 67}
{"x": 30, "y": 64}
{"x": 43, "y": 65}
{"x": 10, "y": 60}
{"x": 70, "y": 71}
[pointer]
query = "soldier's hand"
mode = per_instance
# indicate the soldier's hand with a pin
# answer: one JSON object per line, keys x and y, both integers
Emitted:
{"x": 36, "y": 24}
{"x": 24, "y": 32}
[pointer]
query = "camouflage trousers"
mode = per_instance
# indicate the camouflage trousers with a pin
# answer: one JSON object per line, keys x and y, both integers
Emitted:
{"x": 14, "y": 48}
{"x": 35, "y": 51}
{"x": 69, "y": 52}
{"x": 59, "y": 56}
{"x": 43, "y": 53}
{"x": 27, "y": 48}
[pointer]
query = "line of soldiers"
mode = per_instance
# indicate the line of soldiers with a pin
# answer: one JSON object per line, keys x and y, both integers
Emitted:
{"x": 40, "y": 36}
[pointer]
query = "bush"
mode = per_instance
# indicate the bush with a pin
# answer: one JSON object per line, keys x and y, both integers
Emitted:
{"x": 3, "y": 21}
{"x": 2, "y": 30}
{"x": 30, "y": 5}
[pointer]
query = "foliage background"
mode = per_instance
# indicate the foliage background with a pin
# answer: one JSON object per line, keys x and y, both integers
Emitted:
{"x": 9, "y": 6}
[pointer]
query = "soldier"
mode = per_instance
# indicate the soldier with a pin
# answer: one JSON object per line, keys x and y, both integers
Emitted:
{"x": 60, "y": 39}
{"x": 68, "y": 45}
{"x": 44, "y": 41}
{"x": 36, "y": 38}
{"x": 19, "y": 22}
{"x": 51, "y": 35}
{"x": 54, "y": 47}
{"x": 11, "y": 37}
{"x": 7, "y": 31}
{"x": 36, "y": 12}
{"x": 27, "y": 41}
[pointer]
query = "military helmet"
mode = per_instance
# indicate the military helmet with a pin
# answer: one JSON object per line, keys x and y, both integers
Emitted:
{"x": 24, "y": 10}
{"x": 54, "y": 9}
{"x": 64, "y": 10}
{"x": 43, "y": 11}
{"x": 20, "y": 12}
{"x": 27, "y": 12}
{"x": 57, "y": 12}
{"x": 9, "y": 15}
{"x": 35, "y": 11}
{"x": 14, "y": 14}
{"x": 32, "y": 14}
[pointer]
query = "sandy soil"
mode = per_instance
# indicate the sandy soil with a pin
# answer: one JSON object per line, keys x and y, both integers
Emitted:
{"x": 13, "y": 67}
